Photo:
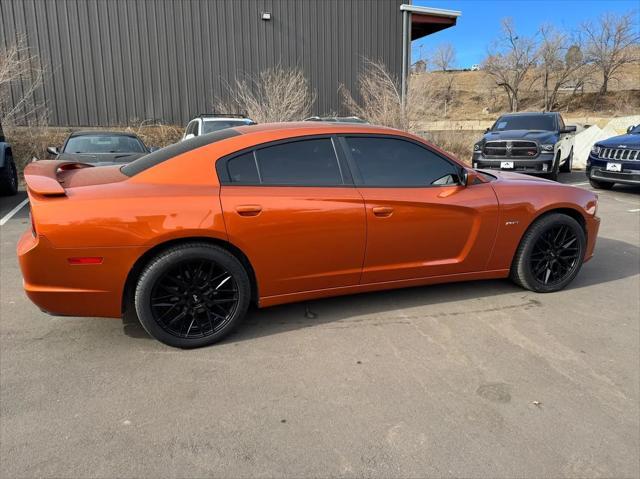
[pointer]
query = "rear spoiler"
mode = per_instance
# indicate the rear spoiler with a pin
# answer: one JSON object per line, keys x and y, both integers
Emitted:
{"x": 42, "y": 176}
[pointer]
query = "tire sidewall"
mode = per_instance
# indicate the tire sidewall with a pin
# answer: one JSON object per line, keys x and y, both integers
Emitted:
{"x": 157, "y": 267}
{"x": 537, "y": 230}
{"x": 9, "y": 177}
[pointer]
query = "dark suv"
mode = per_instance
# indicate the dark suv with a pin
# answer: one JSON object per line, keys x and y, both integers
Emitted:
{"x": 615, "y": 160}
{"x": 536, "y": 143}
{"x": 8, "y": 170}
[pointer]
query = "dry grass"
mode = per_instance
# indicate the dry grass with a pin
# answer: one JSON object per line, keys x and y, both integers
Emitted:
{"x": 276, "y": 94}
{"x": 458, "y": 143}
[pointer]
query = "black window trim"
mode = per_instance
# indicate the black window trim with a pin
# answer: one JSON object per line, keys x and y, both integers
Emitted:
{"x": 167, "y": 153}
{"x": 343, "y": 168}
{"x": 355, "y": 171}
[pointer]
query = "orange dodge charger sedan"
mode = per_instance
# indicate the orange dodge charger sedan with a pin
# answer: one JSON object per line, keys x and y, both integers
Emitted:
{"x": 191, "y": 234}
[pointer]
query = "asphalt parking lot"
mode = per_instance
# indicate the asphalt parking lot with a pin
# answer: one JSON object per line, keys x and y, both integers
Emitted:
{"x": 478, "y": 379}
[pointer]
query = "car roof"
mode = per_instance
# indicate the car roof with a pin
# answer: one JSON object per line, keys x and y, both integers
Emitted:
{"x": 103, "y": 133}
{"x": 318, "y": 127}
{"x": 530, "y": 113}
{"x": 224, "y": 118}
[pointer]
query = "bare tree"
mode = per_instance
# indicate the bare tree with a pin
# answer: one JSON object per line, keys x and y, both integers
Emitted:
{"x": 560, "y": 61}
{"x": 380, "y": 97}
{"x": 510, "y": 60}
{"x": 21, "y": 77}
{"x": 444, "y": 56}
{"x": 276, "y": 94}
{"x": 609, "y": 44}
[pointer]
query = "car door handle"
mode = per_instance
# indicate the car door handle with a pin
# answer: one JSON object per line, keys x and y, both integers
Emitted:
{"x": 382, "y": 211}
{"x": 248, "y": 210}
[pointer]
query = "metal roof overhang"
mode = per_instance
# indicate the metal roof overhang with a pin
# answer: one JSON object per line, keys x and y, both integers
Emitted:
{"x": 427, "y": 20}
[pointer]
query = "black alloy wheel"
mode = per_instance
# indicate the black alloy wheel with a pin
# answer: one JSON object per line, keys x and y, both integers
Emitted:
{"x": 554, "y": 254}
{"x": 194, "y": 299}
{"x": 550, "y": 253}
{"x": 192, "y": 295}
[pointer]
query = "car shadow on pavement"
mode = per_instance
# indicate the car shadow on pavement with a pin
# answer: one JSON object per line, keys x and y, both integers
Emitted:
{"x": 614, "y": 260}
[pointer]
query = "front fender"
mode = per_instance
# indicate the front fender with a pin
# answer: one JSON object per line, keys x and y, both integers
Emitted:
{"x": 523, "y": 202}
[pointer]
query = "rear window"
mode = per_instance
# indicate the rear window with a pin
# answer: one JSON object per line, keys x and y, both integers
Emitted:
{"x": 310, "y": 162}
{"x": 152, "y": 159}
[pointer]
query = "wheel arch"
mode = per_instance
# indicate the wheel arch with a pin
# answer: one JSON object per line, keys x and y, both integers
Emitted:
{"x": 143, "y": 260}
{"x": 566, "y": 210}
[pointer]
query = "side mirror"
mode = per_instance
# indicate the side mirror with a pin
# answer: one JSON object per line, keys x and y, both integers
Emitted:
{"x": 188, "y": 136}
{"x": 569, "y": 129}
{"x": 487, "y": 130}
{"x": 464, "y": 177}
{"x": 630, "y": 129}
{"x": 53, "y": 150}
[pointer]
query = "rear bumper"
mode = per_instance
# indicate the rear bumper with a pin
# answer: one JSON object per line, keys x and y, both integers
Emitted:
{"x": 59, "y": 288}
{"x": 630, "y": 174}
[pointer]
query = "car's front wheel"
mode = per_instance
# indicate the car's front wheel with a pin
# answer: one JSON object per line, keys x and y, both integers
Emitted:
{"x": 550, "y": 254}
{"x": 192, "y": 295}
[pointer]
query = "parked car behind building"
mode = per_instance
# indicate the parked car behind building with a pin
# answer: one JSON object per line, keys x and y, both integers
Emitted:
{"x": 101, "y": 148}
{"x": 534, "y": 143}
{"x": 8, "y": 170}
{"x": 209, "y": 122}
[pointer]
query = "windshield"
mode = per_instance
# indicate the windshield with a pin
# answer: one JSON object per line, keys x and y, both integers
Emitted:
{"x": 210, "y": 126}
{"x": 104, "y": 144}
{"x": 524, "y": 122}
{"x": 635, "y": 130}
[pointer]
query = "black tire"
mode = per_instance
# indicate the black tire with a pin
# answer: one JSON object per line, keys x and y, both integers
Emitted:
{"x": 183, "y": 277}
{"x": 550, "y": 254}
{"x": 600, "y": 185}
{"x": 555, "y": 167}
{"x": 8, "y": 177}
{"x": 567, "y": 166}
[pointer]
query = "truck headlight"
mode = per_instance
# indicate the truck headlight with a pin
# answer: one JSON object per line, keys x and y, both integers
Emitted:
{"x": 595, "y": 149}
{"x": 547, "y": 147}
{"x": 476, "y": 147}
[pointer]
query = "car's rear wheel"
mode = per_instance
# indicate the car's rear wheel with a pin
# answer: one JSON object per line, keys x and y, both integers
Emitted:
{"x": 550, "y": 254}
{"x": 600, "y": 185}
{"x": 192, "y": 295}
{"x": 567, "y": 166}
{"x": 8, "y": 177}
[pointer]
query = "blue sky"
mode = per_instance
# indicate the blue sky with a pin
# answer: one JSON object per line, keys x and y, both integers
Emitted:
{"x": 480, "y": 21}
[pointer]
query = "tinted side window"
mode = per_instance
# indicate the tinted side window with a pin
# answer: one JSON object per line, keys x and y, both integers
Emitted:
{"x": 242, "y": 169}
{"x": 305, "y": 162}
{"x": 393, "y": 162}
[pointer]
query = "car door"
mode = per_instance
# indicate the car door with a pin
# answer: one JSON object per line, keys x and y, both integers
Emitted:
{"x": 420, "y": 221}
{"x": 292, "y": 208}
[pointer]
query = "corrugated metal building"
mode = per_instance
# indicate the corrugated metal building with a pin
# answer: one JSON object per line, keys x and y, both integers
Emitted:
{"x": 116, "y": 62}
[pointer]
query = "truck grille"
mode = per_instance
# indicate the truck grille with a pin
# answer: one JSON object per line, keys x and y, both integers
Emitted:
{"x": 619, "y": 154}
{"x": 510, "y": 149}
